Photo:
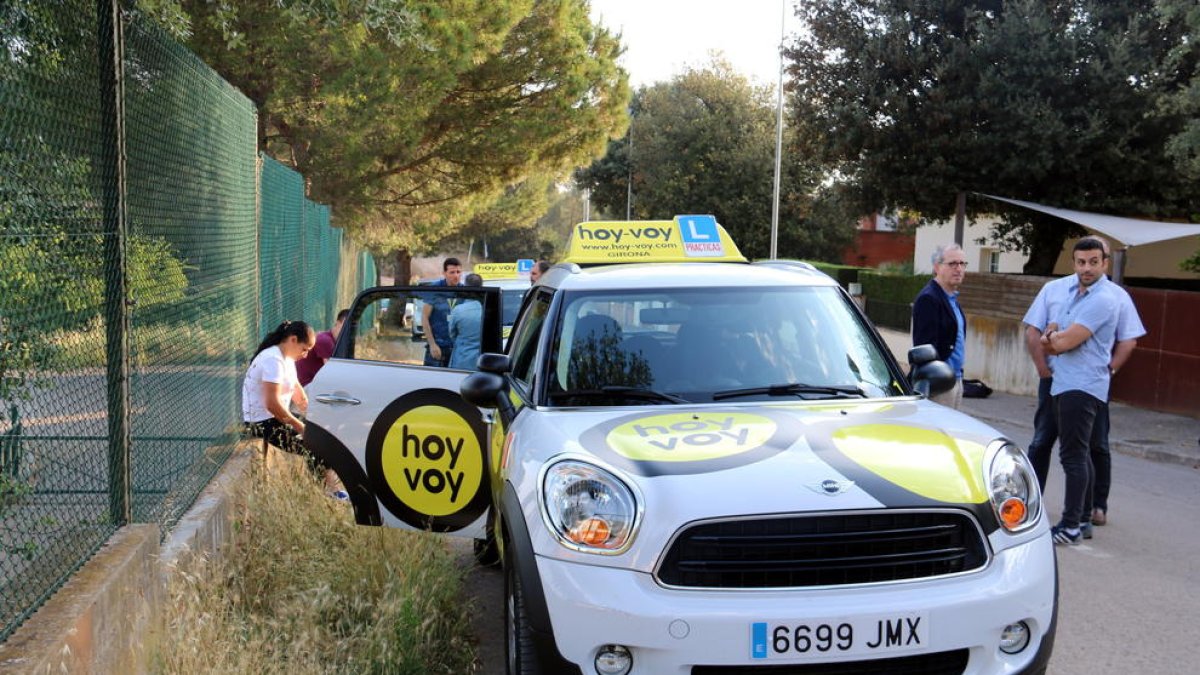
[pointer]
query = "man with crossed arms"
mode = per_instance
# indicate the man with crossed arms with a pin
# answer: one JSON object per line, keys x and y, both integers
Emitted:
{"x": 1046, "y": 305}
{"x": 1081, "y": 338}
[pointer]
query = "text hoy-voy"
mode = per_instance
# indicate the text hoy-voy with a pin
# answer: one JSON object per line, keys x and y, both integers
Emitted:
{"x": 606, "y": 234}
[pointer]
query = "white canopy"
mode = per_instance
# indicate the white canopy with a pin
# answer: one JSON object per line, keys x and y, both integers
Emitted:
{"x": 1129, "y": 231}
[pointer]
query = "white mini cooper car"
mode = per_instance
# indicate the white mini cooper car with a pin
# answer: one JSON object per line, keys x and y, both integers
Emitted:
{"x": 697, "y": 465}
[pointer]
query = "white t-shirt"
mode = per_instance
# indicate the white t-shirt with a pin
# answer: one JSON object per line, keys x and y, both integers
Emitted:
{"x": 269, "y": 366}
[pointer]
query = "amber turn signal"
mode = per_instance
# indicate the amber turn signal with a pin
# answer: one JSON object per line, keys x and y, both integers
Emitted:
{"x": 1012, "y": 512}
{"x": 591, "y": 532}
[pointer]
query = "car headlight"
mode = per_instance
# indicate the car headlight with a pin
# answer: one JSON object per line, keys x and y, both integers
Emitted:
{"x": 588, "y": 508}
{"x": 1013, "y": 487}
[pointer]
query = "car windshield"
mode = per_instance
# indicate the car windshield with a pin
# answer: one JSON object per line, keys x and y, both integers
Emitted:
{"x": 713, "y": 344}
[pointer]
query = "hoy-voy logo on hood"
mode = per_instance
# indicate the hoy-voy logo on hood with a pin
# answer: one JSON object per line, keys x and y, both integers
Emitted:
{"x": 691, "y": 442}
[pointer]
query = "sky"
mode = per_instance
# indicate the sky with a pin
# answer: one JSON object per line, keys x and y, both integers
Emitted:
{"x": 662, "y": 37}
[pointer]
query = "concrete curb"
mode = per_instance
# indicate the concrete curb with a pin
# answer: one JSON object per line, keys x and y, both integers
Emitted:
{"x": 105, "y": 619}
{"x": 1165, "y": 454}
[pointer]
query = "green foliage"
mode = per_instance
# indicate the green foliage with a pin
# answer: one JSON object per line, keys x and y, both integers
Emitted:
{"x": 411, "y": 117}
{"x": 892, "y": 288}
{"x": 704, "y": 143}
{"x": 57, "y": 282}
{"x": 845, "y": 274}
{"x": 1183, "y": 64}
{"x": 906, "y": 103}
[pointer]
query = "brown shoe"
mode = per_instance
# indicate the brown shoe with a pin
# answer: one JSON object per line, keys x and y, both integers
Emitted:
{"x": 1099, "y": 517}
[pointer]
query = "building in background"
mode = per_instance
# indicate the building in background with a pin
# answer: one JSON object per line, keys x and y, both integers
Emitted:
{"x": 878, "y": 240}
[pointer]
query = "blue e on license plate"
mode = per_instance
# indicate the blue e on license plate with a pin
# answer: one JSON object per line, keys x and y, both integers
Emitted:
{"x": 853, "y": 636}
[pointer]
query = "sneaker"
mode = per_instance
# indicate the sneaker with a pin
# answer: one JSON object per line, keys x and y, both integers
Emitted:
{"x": 339, "y": 496}
{"x": 1086, "y": 530}
{"x": 1062, "y": 535}
{"x": 1099, "y": 517}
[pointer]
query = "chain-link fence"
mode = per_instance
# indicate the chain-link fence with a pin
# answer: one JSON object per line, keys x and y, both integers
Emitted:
{"x": 143, "y": 254}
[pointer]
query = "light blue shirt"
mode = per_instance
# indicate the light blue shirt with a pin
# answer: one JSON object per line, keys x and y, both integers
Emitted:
{"x": 959, "y": 355}
{"x": 466, "y": 330}
{"x": 1054, "y": 294}
{"x": 1085, "y": 368}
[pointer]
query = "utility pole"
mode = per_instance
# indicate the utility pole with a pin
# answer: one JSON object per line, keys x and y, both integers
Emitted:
{"x": 960, "y": 217}
{"x": 778, "y": 137}
{"x": 629, "y": 174}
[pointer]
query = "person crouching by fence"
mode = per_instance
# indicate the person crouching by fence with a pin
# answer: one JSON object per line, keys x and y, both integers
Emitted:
{"x": 272, "y": 387}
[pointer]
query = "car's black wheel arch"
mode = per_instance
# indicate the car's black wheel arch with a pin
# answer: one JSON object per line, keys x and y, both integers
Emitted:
{"x": 519, "y": 560}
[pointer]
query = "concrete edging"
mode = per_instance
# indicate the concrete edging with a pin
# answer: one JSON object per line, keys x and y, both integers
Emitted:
{"x": 104, "y": 618}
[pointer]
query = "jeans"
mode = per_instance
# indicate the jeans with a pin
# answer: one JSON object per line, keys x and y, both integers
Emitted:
{"x": 1045, "y": 433}
{"x": 1077, "y": 414}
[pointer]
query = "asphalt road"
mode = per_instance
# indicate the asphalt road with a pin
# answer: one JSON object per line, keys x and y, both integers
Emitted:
{"x": 1130, "y": 597}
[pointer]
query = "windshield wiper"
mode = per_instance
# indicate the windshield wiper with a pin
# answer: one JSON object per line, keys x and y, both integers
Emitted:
{"x": 618, "y": 391}
{"x": 836, "y": 391}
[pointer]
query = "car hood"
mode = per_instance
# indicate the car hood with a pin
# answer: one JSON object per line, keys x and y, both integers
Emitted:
{"x": 709, "y": 462}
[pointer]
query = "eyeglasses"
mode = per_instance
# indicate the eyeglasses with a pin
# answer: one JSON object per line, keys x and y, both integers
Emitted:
{"x": 957, "y": 263}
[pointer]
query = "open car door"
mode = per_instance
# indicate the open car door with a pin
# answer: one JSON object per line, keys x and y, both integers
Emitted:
{"x": 410, "y": 451}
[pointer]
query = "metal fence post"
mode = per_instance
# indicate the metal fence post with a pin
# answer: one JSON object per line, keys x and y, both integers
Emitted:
{"x": 110, "y": 57}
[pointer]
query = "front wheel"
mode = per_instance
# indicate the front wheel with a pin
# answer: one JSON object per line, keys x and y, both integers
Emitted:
{"x": 519, "y": 651}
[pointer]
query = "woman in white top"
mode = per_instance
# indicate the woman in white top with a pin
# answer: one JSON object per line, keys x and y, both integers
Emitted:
{"x": 272, "y": 387}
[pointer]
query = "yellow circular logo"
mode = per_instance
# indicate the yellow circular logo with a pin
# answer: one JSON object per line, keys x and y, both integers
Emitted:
{"x": 432, "y": 461}
{"x": 690, "y": 437}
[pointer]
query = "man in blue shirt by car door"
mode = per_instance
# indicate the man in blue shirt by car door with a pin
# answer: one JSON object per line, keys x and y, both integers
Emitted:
{"x": 938, "y": 320}
{"x": 435, "y": 316}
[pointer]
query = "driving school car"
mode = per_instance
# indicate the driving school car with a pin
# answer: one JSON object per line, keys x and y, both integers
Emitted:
{"x": 688, "y": 463}
{"x": 513, "y": 287}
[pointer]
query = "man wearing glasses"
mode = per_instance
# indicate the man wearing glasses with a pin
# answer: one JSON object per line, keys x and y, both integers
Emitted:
{"x": 939, "y": 321}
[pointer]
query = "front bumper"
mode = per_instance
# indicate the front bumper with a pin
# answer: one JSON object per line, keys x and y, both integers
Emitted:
{"x": 669, "y": 631}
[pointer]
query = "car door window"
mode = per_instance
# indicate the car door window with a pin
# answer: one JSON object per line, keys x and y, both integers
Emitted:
{"x": 524, "y": 342}
{"x": 386, "y": 325}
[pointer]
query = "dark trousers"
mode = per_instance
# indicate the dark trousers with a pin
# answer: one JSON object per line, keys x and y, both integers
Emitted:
{"x": 285, "y": 438}
{"x": 1077, "y": 414}
{"x": 438, "y": 363}
{"x": 1045, "y": 433}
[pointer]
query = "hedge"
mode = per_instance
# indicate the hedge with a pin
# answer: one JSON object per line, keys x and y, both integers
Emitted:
{"x": 892, "y": 288}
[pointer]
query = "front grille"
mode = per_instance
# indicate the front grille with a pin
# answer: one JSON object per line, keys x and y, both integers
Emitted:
{"x": 824, "y": 550}
{"x": 940, "y": 663}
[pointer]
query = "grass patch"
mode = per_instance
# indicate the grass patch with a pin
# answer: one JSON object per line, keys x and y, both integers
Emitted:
{"x": 304, "y": 590}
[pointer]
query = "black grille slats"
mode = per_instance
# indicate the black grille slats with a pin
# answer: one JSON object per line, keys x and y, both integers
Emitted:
{"x": 824, "y": 550}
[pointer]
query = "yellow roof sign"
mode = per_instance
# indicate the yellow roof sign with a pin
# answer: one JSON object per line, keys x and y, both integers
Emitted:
{"x": 496, "y": 270}
{"x": 685, "y": 239}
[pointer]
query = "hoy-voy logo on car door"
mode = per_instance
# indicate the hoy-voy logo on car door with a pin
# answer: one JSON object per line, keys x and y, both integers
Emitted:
{"x": 426, "y": 462}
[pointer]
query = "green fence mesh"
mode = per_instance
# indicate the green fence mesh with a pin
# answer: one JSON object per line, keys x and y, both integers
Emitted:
{"x": 216, "y": 252}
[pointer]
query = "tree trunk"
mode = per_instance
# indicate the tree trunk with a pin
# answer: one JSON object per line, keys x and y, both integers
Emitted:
{"x": 1046, "y": 237}
{"x": 403, "y": 267}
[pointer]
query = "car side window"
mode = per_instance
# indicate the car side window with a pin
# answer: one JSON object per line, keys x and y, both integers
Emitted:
{"x": 524, "y": 341}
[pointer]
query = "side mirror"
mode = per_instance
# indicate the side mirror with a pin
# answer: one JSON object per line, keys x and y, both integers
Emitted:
{"x": 921, "y": 354}
{"x": 488, "y": 390}
{"x": 928, "y": 375}
{"x": 490, "y": 362}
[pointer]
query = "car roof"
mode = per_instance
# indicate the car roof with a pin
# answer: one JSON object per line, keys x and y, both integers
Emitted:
{"x": 683, "y": 275}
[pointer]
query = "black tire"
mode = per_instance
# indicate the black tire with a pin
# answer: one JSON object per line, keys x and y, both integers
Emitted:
{"x": 520, "y": 653}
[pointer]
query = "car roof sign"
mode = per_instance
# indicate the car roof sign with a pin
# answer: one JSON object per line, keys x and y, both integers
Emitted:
{"x": 498, "y": 270}
{"x": 689, "y": 238}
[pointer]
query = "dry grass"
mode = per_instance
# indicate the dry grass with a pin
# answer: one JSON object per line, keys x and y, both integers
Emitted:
{"x": 305, "y": 590}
